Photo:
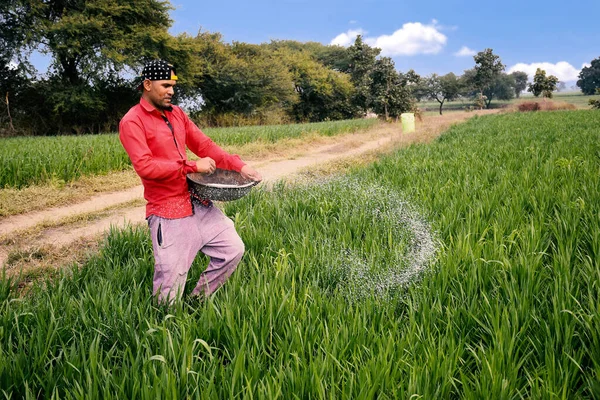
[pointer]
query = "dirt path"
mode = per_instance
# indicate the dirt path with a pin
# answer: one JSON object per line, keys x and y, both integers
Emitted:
{"x": 60, "y": 235}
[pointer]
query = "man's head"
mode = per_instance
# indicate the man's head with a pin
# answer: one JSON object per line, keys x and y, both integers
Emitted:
{"x": 159, "y": 79}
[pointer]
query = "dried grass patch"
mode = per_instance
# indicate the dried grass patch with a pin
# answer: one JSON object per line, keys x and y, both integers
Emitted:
{"x": 35, "y": 198}
{"x": 543, "y": 105}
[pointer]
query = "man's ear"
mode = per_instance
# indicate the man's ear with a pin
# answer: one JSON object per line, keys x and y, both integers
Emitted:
{"x": 147, "y": 85}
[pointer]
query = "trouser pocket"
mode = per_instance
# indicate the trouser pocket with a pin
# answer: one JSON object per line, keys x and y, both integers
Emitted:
{"x": 159, "y": 238}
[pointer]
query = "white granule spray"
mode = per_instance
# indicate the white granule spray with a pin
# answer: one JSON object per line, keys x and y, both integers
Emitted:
{"x": 414, "y": 246}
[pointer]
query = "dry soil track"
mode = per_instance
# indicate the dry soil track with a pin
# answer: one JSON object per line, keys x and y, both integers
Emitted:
{"x": 52, "y": 237}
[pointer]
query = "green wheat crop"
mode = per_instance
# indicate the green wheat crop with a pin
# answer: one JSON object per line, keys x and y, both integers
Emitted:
{"x": 505, "y": 306}
{"x": 27, "y": 161}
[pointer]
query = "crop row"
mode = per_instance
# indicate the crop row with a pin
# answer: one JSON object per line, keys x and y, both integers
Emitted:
{"x": 28, "y": 161}
{"x": 507, "y": 306}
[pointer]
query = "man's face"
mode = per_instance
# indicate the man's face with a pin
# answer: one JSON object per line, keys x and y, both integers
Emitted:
{"x": 159, "y": 93}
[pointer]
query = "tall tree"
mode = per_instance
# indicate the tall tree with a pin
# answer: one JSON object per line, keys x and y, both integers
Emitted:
{"x": 543, "y": 84}
{"x": 90, "y": 38}
{"x": 589, "y": 77}
{"x": 362, "y": 63}
{"x": 520, "y": 78}
{"x": 502, "y": 88}
{"x": 13, "y": 68}
{"x": 389, "y": 93}
{"x": 91, "y": 44}
{"x": 414, "y": 84}
{"x": 442, "y": 88}
{"x": 487, "y": 68}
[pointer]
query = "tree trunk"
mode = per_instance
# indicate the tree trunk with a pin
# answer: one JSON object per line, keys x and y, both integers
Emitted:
{"x": 441, "y": 105}
{"x": 387, "y": 93}
{"x": 10, "y": 123}
{"x": 69, "y": 65}
{"x": 487, "y": 104}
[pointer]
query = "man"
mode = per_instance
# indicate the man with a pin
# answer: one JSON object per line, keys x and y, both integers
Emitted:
{"x": 155, "y": 135}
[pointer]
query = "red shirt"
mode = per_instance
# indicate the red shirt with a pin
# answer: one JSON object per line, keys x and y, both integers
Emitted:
{"x": 158, "y": 156}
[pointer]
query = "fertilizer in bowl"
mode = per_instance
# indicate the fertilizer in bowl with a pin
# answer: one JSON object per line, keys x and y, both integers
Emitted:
{"x": 221, "y": 185}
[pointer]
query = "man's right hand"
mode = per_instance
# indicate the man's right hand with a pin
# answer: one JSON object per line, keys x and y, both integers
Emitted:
{"x": 206, "y": 165}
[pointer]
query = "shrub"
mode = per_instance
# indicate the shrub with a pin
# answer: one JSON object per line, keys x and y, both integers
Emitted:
{"x": 595, "y": 103}
{"x": 544, "y": 106}
{"x": 528, "y": 106}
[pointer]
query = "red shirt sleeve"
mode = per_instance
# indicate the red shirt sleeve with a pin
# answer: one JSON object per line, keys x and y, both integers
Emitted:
{"x": 203, "y": 146}
{"x": 133, "y": 138}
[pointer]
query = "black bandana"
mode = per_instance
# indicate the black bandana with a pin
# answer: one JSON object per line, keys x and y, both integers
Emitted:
{"x": 159, "y": 70}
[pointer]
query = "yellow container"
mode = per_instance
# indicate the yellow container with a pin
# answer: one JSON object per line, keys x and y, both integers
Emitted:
{"x": 408, "y": 122}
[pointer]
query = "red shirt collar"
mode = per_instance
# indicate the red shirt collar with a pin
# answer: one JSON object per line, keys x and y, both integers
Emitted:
{"x": 149, "y": 107}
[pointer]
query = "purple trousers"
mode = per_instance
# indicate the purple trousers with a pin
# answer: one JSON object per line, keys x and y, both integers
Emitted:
{"x": 176, "y": 242}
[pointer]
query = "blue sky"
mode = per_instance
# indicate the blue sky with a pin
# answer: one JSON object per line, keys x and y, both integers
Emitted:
{"x": 428, "y": 36}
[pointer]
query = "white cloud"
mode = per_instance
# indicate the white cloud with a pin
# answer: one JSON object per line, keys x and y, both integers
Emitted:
{"x": 465, "y": 52}
{"x": 413, "y": 38}
{"x": 346, "y": 39}
{"x": 562, "y": 70}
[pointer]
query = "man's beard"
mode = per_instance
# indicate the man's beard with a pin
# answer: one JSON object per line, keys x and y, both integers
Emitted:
{"x": 165, "y": 107}
{"x": 160, "y": 105}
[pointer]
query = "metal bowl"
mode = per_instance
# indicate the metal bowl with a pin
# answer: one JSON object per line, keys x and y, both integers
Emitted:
{"x": 221, "y": 185}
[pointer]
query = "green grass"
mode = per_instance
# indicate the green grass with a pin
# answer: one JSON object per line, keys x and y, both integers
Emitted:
{"x": 509, "y": 309}
{"x": 576, "y": 98}
{"x": 433, "y": 107}
{"x": 274, "y": 133}
{"x": 29, "y": 161}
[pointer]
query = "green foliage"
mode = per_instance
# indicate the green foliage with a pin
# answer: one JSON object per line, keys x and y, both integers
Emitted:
{"x": 509, "y": 310}
{"x": 246, "y": 79}
{"x": 502, "y": 88}
{"x": 595, "y": 103}
{"x": 487, "y": 68}
{"x": 323, "y": 94}
{"x": 362, "y": 63}
{"x": 390, "y": 94}
{"x": 89, "y": 39}
{"x": 441, "y": 88}
{"x": 520, "y": 82}
{"x": 283, "y": 75}
{"x": 589, "y": 77}
{"x": 91, "y": 44}
{"x": 480, "y": 100}
{"x": 543, "y": 85}
{"x": 333, "y": 57}
{"x": 486, "y": 80}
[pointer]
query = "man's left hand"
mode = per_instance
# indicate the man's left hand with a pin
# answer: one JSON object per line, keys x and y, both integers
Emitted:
{"x": 250, "y": 173}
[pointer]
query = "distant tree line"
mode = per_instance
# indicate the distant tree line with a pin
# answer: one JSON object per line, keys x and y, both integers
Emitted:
{"x": 589, "y": 78}
{"x": 97, "y": 48}
{"x": 485, "y": 82}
